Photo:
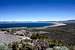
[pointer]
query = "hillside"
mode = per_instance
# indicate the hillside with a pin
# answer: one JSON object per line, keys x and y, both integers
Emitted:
{"x": 65, "y": 33}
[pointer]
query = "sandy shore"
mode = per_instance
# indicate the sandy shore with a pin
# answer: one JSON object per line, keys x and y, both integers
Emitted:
{"x": 55, "y": 25}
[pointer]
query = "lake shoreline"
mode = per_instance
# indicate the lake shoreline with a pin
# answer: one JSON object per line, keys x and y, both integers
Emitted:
{"x": 55, "y": 25}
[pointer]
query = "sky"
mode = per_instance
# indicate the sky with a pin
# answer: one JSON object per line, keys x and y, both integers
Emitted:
{"x": 37, "y": 10}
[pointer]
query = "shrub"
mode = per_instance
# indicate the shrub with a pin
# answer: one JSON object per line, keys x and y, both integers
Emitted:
{"x": 3, "y": 46}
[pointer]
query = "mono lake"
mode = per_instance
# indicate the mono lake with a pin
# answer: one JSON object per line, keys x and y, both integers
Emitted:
{"x": 11, "y": 25}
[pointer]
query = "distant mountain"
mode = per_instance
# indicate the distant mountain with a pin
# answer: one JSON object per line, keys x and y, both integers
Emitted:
{"x": 4, "y": 22}
{"x": 69, "y": 21}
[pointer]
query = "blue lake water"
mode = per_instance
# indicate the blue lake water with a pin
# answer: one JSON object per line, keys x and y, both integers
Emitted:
{"x": 11, "y": 25}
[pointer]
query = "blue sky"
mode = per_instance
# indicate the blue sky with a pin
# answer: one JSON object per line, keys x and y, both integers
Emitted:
{"x": 37, "y": 10}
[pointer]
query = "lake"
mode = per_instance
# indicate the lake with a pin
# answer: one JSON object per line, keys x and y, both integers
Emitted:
{"x": 11, "y": 25}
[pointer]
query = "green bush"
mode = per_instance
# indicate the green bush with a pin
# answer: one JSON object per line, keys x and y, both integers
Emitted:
{"x": 38, "y": 36}
{"x": 3, "y": 46}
